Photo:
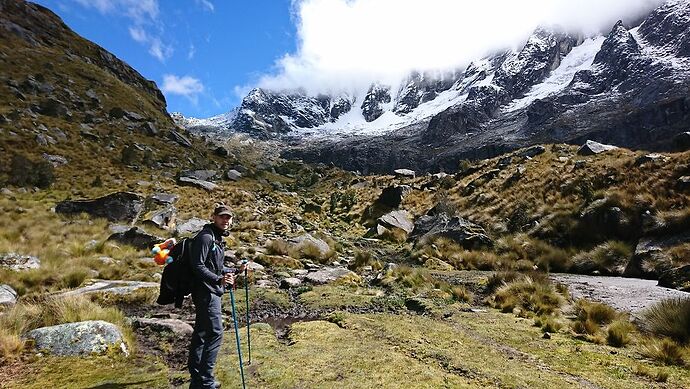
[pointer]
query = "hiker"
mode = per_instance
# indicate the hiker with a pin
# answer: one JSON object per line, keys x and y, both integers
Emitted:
{"x": 210, "y": 279}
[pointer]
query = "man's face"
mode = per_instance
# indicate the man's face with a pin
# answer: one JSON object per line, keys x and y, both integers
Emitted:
{"x": 222, "y": 221}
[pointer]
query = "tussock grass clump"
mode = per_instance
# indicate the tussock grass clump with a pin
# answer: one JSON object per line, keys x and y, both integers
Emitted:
{"x": 590, "y": 316}
{"x": 36, "y": 313}
{"x": 664, "y": 350}
{"x": 618, "y": 334}
{"x": 548, "y": 323}
{"x": 658, "y": 376}
{"x": 607, "y": 258}
{"x": 419, "y": 280}
{"x": 365, "y": 258}
{"x": 529, "y": 296}
{"x": 670, "y": 318}
{"x": 524, "y": 249}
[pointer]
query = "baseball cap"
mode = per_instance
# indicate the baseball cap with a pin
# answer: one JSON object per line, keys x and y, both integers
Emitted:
{"x": 222, "y": 210}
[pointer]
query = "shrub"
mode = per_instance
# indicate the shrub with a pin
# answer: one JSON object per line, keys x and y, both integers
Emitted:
{"x": 460, "y": 293}
{"x": 365, "y": 258}
{"x": 670, "y": 317}
{"x": 607, "y": 258}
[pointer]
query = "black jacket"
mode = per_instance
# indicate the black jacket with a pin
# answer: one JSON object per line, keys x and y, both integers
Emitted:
{"x": 206, "y": 260}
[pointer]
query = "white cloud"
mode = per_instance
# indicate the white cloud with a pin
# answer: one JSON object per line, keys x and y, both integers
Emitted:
{"x": 191, "y": 52}
{"x": 144, "y": 15}
{"x": 206, "y": 5}
{"x": 186, "y": 86}
{"x": 347, "y": 44}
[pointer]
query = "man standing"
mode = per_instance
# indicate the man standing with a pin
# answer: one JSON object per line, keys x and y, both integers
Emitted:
{"x": 210, "y": 279}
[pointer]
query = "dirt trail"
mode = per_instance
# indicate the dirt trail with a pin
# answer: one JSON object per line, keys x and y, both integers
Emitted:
{"x": 625, "y": 294}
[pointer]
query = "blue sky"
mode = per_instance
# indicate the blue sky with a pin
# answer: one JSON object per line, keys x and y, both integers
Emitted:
{"x": 208, "y": 50}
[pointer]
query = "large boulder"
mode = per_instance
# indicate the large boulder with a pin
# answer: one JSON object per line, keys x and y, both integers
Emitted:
{"x": 397, "y": 219}
{"x": 8, "y": 296}
{"x": 652, "y": 258}
{"x": 327, "y": 275}
{"x": 116, "y": 207}
{"x": 233, "y": 175}
{"x": 136, "y": 237}
{"x": 435, "y": 225}
{"x": 531, "y": 152}
{"x": 676, "y": 278}
{"x": 17, "y": 262}
{"x": 308, "y": 239}
{"x": 404, "y": 173}
{"x": 179, "y": 138}
{"x": 81, "y": 338}
{"x": 394, "y": 195}
{"x": 164, "y": 198}
{"x": 591, "y": 148}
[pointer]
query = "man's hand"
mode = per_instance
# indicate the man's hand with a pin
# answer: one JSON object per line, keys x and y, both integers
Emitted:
{"x": 228, "y": 279}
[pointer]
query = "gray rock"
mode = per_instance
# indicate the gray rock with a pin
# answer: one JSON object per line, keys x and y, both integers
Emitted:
{"x": 462, "y": 231}
{"x": 397, "y": 219}
{"x": 305, "y": 239}
{"x": 327, "y": 275}
{"x": 234, "y": 175}
{"x": 17, "y": 262}
{"x": 683, "y": 183}
{"x": 531, "y": 152}
{"x": 120, "y": 206}
{"x": 6, "y": 192}
{"x": 164, "y": 198}
{"x": 651, "y": 257}
{"x": 591, "y": 148}
{"x": 394, "y": 195}
{"x": 255, "y": 266}
{"x": 265, "y": 284}
{"x": 149, "y": 129}
{"x": 118, "y": 287}
{"x": 174, "y": 326}
{"x": 289, "y": 283}
{"x": 300, "y": 273}
{"x": 136, "y": 237}
{"x": 8, "y": 296}
{"x": 180, "y": 139}
{"x": 404, "y": 173}
{"x": 82, "y": 338}
{"x": 676, "y": 278}
{"x": 190, "y": 226}
{"x": 55, "y": 160}
{"x": 162, "y": 218}
{"x": 204, "y": 175}
{"x": 649, "y": 158}
{"x": 207, "y": 185}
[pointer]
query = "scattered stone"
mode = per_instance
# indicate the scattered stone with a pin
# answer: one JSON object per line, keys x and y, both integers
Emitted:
{"x": 18, "y": 262}
{"x": 81, "y": 338}
{"x": 321, "y": 245}
{"x": 649, "y": 158}
{"x": 191, "y": 226}
{"x": 133, "y": 116}
{"x": 327, "y": 275}
{"x": 116, "y": 113}
{"x": 683, "y": 183}
{"x": 651, "y": 257}
{"x": 136, "y": 237}
{"x": 55, "y": 160}
{"x": 203, "y": 175}
{"x": 173, "y": 326}
{"x": 255, "y": 266}
{"x": 162, "y": 218}
{"x": 180, "y": 139}
{"x": 676, "y": 278}
{"x": 164, "y": 198}
{"x": 579, "y": 164}
{"x": 397, "y": 219}
{"x": 300, "y": 273}
{"x": 233, "y": 175}
{"x": 8, "y": 296}
{"x": 406, "y": 173}
{"x": 118, "y": 287}
{"x": 119, "y": 206}
{"x": 504, "y": 162}
{"x": 265, "y": 284}
{"x": 437, "y": 264}
{"x": 394, "y": 195}
{"x": 221, "y": 151}
{"x": 546, "y": 335}
{"x": 458, "y": 229}
{"x": 591, "y": 148}
{"x": 531, "y": 152}
{"x": 6, "y": 192}
{"x": 207, "y": 185}
{"x": 53, "y": 107}
{"x": 289, "y": 283}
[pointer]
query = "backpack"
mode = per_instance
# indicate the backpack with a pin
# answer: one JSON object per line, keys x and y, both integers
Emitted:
{"x": 177, "y": 279}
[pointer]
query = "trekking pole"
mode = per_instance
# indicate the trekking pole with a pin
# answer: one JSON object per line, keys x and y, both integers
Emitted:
{"x": 246, "y": 295}
{"x": 237, "y": 333}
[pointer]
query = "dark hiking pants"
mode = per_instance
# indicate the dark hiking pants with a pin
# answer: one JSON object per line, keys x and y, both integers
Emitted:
{"x": 206, "y": 339}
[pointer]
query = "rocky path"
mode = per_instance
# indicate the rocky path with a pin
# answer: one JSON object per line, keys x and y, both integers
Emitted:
{"x": 625, "y": 294}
